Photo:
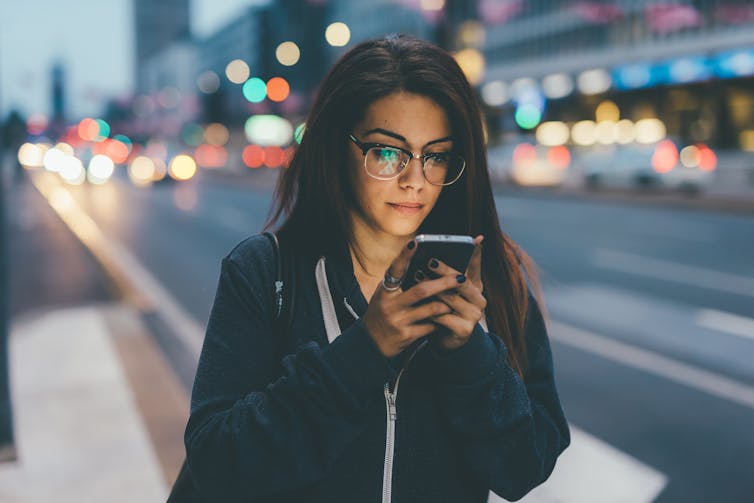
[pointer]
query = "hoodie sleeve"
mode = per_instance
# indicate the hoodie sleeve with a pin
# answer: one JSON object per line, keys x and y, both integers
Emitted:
{"x": 509, "y": 431}
{"x": 253, "y": 432}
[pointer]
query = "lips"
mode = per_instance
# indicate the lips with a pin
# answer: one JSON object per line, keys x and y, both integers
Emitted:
{"x": 407, "y": 208}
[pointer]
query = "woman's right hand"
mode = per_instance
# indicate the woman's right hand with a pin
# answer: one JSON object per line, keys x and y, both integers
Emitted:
{"x": 393, "y": 319}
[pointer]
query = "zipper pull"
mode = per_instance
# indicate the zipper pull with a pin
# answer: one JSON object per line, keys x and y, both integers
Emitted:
{"x": 390, "y": 399}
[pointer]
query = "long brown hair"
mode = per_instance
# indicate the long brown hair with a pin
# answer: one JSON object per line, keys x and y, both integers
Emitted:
{"x": 315, "y": 196}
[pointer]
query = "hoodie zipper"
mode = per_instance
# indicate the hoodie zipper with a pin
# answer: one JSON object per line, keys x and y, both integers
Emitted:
{"x": 392, "y": 416}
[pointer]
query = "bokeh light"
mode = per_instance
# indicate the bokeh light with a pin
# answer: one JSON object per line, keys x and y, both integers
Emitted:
{"x": 432, "y": 5}
{"x": 626, "y": 131}
{"x": 607, "y": 132}
{"x": 253, "y": 156}
{"x": 30, "y": 156}
{"x": 278, "y": 89}
{"x": 288, "y": 53}
{"x": 237, "y": 71}
{"x": 182, "y": 167}
{"x": 584, "y": 133}
{"x": 607, "y": 111}
{"x": 217, "y": 134}
{"x": 72, "y": 170}
{"x": 101, "y": 168}
{"x": 552, "y": 134}
{"x": 650, "y": 131}
{"x": 192, "y": 134}
{"x": 707, "y": 158}
{"x": 495, "y": 93}
{"x": 88, "y": 129}
{"x": 141, "y": 171}
{"x": 268, "y": 130}
{"x": 559, "y": 157}
{"x": 472, "y": 63}
{"x": 338, "y": 34}
{"x": 665, "y": 157}
{"x": 37, "y": 124}
{"x": 558, "y": 85}
{"x": 528, "y": 116}
{"x": 104, "y": 130}
{"x": 255, "y": 90}
{"x": 273, "y": 157}
{"x": 208, "y": 82}
{"x": 595, "y": 81}
{"x": 211, "y": 156}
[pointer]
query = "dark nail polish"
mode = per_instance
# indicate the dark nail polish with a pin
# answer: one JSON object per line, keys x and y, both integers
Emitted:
{"x": 411, "y": 245}
{"x": 460, "y": 278}
{"x": 419, "y": 276}
{"x": 434, "y": 264}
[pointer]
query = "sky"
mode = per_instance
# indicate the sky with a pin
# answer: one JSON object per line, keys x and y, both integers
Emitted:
{"x": 94, "y": 41}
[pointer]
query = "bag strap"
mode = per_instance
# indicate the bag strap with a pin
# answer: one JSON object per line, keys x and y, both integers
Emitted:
{"x": 284, "y": 288}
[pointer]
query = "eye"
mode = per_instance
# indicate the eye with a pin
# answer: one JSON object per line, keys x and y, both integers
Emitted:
{"x": 438, "y": 157}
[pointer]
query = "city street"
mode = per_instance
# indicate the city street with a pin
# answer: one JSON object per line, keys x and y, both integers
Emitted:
{"x": 652, "y": 317}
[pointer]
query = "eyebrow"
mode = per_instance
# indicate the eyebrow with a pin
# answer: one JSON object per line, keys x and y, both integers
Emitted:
{"x": 403, "y": 138}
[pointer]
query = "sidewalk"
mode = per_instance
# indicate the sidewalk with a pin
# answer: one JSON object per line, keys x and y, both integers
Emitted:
{"x": 98, "y": 414}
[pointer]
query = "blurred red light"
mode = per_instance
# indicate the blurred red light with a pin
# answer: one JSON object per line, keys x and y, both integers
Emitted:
{"x": 559, "y": 157}
{"x": 707, "y": 158}
{"x": 88, "y": 129}
{"x": 273, "y": 157}
{"x": 524, "y": 152}
{"x": 211, "y": 156}
{"x": 665, "y": 157}
{"x": 253, "y": 156}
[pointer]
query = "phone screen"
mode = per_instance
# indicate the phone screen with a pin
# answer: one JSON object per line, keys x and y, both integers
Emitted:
{"x": 453, "y": 250}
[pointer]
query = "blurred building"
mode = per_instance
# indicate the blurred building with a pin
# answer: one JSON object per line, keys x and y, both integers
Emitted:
{"x": 158, "y": 23}
{"x": 690, "y": 63}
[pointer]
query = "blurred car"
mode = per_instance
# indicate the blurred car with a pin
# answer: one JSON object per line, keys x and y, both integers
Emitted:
{"x": 529, "y": 164}
{"x": 659, "y": 165}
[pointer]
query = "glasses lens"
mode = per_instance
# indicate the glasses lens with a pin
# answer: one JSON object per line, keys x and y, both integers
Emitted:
{"x": 443, "y": 168}
{"x": 384, "y": 162}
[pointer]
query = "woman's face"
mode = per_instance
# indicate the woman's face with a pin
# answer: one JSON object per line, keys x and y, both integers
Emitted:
{"x": 398, "y": 206}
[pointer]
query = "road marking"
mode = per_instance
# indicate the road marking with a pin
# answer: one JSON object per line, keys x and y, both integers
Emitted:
{"x": 671, "y": 271}
{"x": 726, "y": 322}
{"x": 131, "y": 278}
{"x": 576, "y": 479}
{"x": 701, "y": 380}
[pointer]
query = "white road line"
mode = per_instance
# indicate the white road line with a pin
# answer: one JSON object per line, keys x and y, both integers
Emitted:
{"x": 620, "y": 477}
{"x": 726, "y": 322}
{"x": 121, "y": 265}
{"x": 671, "y": 271}
{"x": 701, "y": 380}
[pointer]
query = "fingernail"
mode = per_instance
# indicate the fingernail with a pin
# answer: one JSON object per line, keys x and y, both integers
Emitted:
{"x": 419, "y": 276}
{"x": 411, "y": 245}
{"x": 460, "y": 278}
{"x": 434, "y": 264}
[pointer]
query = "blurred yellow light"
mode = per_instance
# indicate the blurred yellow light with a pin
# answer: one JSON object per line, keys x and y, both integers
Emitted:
{"x": 338, "y": 34}
{"x": 30, "y": 156}
{"x": 101, "y": 168}
{"x": 584, "y": 133}
{"x": 594, "y": 81}
{"x": 607, "y": 132}
{"x": 141, "y": 171}
{"x": 160, "y": 170}
{"x": 746, "y": 139}
{"x": 237, "y": 71}
{"x": 472, "y": 63}
{"x": 650, "y": 131}
{"x": 288, "y": 53}
{"x": 65, "y": 148}
{"x": 552, "y": 134}
{"x": 690, "y": 156}
{"x": 626, "y": 131}
{"x": 607, "y": 111}
{"x": 217, "y": 134}
{"x": 182, "y": 167}
{"x": 472, "y": 34}
{"x": 433, "y": 5}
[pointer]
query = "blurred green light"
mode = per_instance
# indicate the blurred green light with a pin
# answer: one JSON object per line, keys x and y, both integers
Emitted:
{"x": 255, "y": 90}
{"x": 298, "y": 134}
{"x": 192, "y": 134}
{"x": 528, "y": 116}
{"x": 125, "y": 140}
{"x": 104, "y": 130}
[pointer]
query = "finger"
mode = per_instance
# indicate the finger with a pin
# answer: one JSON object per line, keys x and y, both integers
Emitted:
{"x": 428, "y": 311}
{"x": 441, "y": 268}
{"x": 471, "y": 292}
{"x": 429, "y": 288}
{"x": 456, "y": 324}
{"x": 474, "y": 271}
{"x": 397, "y": 268}
{"x": 461, "y": 306}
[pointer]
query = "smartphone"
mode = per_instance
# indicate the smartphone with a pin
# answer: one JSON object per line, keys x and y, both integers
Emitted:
{"x": 453, "y": 250}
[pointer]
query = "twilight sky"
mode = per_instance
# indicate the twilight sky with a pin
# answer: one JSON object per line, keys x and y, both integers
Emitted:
{"x": 92, "y": 38}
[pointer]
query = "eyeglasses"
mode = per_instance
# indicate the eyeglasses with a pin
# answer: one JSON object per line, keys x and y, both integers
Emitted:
{"x": 384, "y": 162}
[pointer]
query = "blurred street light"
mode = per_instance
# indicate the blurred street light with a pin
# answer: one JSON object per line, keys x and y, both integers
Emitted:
{"x": 338, "y": 34}
{"x": 288, "y": 53}
{"x": 237, "y": 71}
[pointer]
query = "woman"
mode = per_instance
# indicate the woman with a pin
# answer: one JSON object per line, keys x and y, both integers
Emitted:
{"x": 384, "y": 395}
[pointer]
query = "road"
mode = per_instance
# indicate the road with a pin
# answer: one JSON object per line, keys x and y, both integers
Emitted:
{"x": 652, "y": 319}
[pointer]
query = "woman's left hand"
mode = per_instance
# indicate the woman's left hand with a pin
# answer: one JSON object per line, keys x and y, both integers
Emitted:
{"x": 467, "y": 301}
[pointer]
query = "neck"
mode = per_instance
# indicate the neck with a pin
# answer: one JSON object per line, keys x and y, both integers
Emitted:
{"x": 373, "y": 251}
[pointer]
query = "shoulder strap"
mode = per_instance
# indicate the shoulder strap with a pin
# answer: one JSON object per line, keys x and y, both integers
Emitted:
{"x": 284, "y": 292}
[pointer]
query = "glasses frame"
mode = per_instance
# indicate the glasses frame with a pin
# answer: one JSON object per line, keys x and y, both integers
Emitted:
{"x": 365, "y": 147}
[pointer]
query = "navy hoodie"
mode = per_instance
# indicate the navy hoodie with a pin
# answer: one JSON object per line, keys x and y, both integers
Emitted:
{"x": 314, "y": 427}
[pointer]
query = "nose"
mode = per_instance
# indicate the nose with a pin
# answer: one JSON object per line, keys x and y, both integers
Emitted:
{"x": 413, "y": 174}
